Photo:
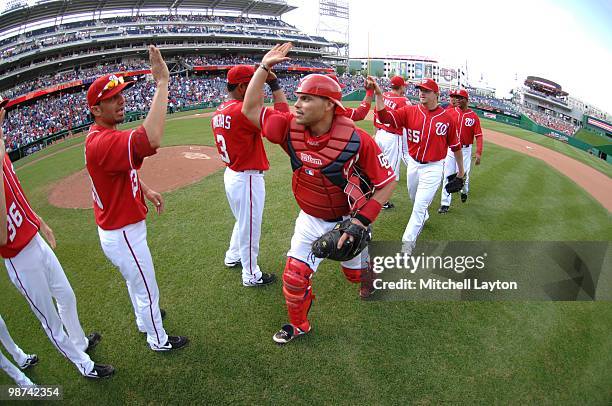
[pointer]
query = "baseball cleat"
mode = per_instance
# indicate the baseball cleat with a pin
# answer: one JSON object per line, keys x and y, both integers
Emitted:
{"x": 443, "y": 209}
{"x": 463, "y": 197}
{"x": 232, "y": 264}
{"x": 101, "y": 371}
{"x": 266, "y": 279}
{"x": 29, "y": 362}
{"x": 287, "y": 333}
{"x": 173, "y": 343}
{"x": 388, "y": 205}
{"x": 92, "y": 340}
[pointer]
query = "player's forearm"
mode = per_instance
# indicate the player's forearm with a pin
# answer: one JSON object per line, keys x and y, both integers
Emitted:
{"x": 479, "y": 145}
{"x": 386, "y": 117}
{"x": 156, "y": 119}
{"x": 252, "y": 104}
{"x": 280, "y": 100}
{"x": 383, "y": 195}
{"x": 369, "y": 212}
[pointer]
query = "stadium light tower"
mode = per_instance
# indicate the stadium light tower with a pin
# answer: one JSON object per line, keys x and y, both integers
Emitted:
{"x": 334, "y": 25}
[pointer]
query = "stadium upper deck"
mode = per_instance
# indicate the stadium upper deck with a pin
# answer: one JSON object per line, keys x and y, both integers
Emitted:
{"x": 56, "y": 35}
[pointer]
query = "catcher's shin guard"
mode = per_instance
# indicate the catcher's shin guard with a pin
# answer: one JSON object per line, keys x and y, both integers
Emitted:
{"x": 352, "y": 275}
{"x": 297, "y": 290}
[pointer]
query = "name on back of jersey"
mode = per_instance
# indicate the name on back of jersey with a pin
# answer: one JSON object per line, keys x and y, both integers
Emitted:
{"x": 222, "y": 121}
{"x": 390, "y": 104}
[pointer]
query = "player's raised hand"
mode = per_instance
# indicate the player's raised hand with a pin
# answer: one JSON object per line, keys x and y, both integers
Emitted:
{"x": 277, "y": 54}
{"x": 159, "y": 69}
{"x": 372, "y": 82}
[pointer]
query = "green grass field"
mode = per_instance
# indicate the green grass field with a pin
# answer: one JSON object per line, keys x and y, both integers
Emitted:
{"x": 592, "y": 138}
{"x": 358, "y": 352}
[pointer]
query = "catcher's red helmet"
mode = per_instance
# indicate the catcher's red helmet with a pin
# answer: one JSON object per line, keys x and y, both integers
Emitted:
{"x": 323, "y": 86}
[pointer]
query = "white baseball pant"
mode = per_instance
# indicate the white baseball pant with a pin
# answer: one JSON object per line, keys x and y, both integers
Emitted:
{"x": 38, "y": 275}
{"x": 423, "y": 182}
{"x": 18, "y": 355}
{"x": 307, "y": 230}
{"x": 127, "y": 249}
{"x": 391, "y": 145}
{"x": 246, "y": 194}
{"x": 450, "y": 167}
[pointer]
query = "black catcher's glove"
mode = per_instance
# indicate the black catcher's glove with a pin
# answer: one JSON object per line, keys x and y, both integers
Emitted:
{"x": 454, "y": 184}
{"x": 327, "y": 245}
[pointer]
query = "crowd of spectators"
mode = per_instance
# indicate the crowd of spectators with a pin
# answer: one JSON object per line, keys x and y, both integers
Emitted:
{"x": 36, "y": 40}
{"x": 552, "y": 122}
{"x": 69, "y": 75}
{"x": 66, "y": 111}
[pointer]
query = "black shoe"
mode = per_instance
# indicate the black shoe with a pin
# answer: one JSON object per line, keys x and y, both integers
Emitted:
{"x": 234, "y": 264}
{"x": 266, "y": 279}
{"x": 463, "y": 197}
{"x": 173, "y": 343}
{"x": 93, "y": 340}
{"x": 443, "y": 210}
{"x": 287, "y": 333}
{"x": 388, "y": 205}
{"x": 101, "y": 371}
{"x": 29, "y": 362}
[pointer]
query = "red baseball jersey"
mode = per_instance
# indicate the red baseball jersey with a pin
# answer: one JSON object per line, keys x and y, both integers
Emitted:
{"x": 359, "y": 113}
{"x": 21, "y": 221}
{"x": 370, "y": 158}
{"x": 392, "y": 102}
{"x": 430, "y": 132}
{"x": 238, "y": 141}
{"x": 113, "y": 158}
{"x": 468, "y": 125}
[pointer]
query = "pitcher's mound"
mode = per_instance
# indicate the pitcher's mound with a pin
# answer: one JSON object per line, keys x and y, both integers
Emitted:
{"x": 171, "y": 168}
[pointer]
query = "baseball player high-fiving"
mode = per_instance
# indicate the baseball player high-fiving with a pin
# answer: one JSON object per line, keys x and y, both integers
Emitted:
{"x": 37, "y": 274}
{"x": 431, "y": 131}
{"x": 113, "y": 158}
{"x": 241, "y": 148}
{"x": 390, "y": 139}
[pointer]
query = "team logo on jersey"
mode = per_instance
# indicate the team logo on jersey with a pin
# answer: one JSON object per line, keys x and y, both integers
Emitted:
{"x": 469, "y": 121}
{"x": 309, "y": 172}
{"x": 383, "y": 161}
{"x": 310, "y": 159}
{"x": 441, "y": 128}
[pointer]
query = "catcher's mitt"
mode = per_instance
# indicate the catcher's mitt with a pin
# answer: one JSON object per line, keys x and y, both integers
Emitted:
{"x": 454, "y": 184}
{"x": 327, "y": 245}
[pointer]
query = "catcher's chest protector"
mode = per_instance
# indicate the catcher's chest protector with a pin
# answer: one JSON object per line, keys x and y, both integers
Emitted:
{"x": 318, "y": 171}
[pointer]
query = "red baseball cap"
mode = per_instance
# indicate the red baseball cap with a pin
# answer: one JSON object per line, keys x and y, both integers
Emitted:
{"x": 106, "y": 87}
{"x": 3, "y": 102}
{"x": 240, "y": 74}
{"x": 334, "y": 77}
{"x": 429, "y": 84}
{"x": 397, "y": 81}
{"x": 459, "y": 93}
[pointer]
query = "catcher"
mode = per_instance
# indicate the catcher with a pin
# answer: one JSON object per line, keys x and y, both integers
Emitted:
{"x": 339, "y": 174}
